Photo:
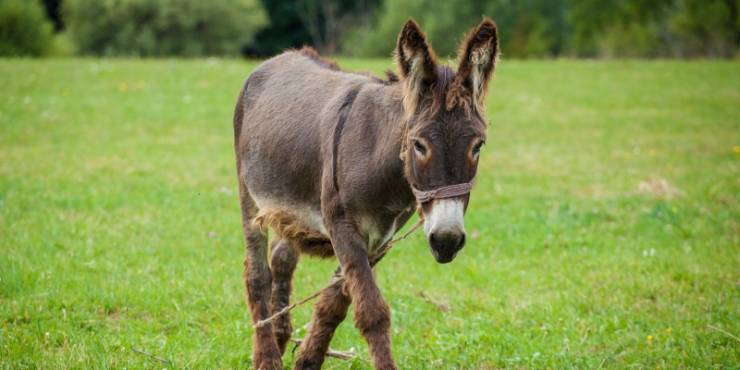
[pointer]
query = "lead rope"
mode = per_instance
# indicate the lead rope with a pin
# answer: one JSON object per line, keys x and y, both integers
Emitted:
{"x": 290, "y": 307}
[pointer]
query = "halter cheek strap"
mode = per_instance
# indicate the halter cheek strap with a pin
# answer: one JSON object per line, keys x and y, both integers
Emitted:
{"x": 449, "y": 191}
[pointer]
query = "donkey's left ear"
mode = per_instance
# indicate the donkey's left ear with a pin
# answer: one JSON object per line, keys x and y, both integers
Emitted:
{"x": 478, "y": 54}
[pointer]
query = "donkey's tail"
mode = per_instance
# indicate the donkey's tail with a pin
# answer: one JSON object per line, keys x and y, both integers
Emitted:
{"x": 239, "y": 113}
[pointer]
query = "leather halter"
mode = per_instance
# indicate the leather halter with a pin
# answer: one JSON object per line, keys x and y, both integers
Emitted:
{"x": 449, "y": 191}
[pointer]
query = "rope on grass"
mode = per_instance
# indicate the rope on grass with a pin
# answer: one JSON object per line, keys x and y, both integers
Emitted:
{"x": 290, "y": 307}
{"x": 342, "y": 355}
{"x": 723, "y": 331}
{"x": 147, "y": 354}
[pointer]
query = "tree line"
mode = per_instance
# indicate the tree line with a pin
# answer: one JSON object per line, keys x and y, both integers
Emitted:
{"x": 368, "y": 28}
{"x": 536, "y": 28}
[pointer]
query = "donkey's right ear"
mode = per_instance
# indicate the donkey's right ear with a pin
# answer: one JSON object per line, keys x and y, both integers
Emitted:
{"x": 416, "y": 62}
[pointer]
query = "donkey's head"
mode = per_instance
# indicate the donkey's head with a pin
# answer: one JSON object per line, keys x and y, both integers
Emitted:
{"x": 445, "y": 128}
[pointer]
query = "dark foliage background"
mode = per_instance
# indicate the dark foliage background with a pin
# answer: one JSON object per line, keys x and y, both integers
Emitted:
{"x": 259, "y": 28}
{"x": 162, "y": 27}
{"x": 574, "y": 28}
{"x": 24, "y": 29}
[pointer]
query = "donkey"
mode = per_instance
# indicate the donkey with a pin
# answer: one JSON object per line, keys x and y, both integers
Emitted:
{"x": 337, "y": 162}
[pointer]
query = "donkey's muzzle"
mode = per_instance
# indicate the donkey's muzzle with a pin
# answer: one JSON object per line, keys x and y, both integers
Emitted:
{"x": 445, "y": 244}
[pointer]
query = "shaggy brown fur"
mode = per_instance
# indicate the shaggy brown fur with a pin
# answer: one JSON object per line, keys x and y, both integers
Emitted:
{"x": 329, "y": 312}
{"x": 258, "y": 281}
{"x": 322, "y": 161}
{"x": 283, "y": 263}
{"x": 285, "y": 224}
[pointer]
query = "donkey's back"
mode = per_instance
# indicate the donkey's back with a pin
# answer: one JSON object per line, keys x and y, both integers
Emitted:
{"x": 294, "y": 90}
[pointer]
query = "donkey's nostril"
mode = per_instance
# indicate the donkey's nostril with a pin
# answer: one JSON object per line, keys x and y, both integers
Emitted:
{"x": 447, "y": 239}
{"x": 433, "y": 238}
{"x": 455, "y": 241}
{"x": 446, "y": 243}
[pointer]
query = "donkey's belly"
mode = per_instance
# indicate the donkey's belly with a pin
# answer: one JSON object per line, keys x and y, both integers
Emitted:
{"x": 304, "y": 222}
{"x": 300, "y": 215}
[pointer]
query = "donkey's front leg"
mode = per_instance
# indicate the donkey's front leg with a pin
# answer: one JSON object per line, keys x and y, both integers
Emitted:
{"x": 371, "y": 312}
{"x": 329, "y": 312}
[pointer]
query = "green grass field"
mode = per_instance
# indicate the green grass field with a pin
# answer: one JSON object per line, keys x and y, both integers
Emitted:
{"x": 604, "y": 230}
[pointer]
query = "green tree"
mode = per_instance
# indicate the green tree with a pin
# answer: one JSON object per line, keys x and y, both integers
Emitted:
{"x": 322, "y": 24}
{"x": 527, "y": 27}
{"x": 706, "y": 28}
{"x": 445, "y": 23}
{"x": 162, "y": 27}
{"x": 552, "y": 28}
{"x": 24, "y": 29}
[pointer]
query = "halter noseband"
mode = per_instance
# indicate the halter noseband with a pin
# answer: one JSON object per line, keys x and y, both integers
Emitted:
{"x": 449, "y": 191}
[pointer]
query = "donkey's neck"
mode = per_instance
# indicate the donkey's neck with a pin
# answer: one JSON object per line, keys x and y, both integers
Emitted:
{"x": 386, "y": 158}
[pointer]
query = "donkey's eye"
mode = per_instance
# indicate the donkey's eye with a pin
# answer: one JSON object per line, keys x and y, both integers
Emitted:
{"x": 420, "y": 147}
{"x": 476, "y": 149}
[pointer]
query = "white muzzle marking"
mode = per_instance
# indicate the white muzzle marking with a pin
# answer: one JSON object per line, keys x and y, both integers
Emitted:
{"x": 446, "y": 215}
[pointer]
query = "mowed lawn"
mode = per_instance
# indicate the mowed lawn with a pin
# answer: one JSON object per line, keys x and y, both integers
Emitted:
{"x": 604, "y": 229}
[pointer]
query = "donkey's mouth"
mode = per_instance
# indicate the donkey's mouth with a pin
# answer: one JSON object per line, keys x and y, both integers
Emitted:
{"x": 442, "y": 259}
{"x": 445, "y": 250}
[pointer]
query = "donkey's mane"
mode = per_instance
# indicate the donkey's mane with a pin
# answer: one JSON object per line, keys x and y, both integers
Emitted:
{"x": 314, "y": 55}
{"x": 447, "y": 92}
{"x": 311, "y": 53}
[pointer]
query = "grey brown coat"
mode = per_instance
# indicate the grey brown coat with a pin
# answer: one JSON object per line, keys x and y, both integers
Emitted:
{"x": 328, "y": 160}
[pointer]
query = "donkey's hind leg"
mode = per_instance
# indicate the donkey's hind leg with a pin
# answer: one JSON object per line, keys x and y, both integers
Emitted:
{"x": 258, "y": 281}
{"x": 283, "y": 263}
{"x": 330, "y": 311}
